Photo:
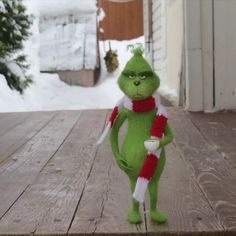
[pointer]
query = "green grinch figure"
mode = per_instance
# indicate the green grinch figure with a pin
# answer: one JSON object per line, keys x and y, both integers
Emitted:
{"x": 142, "y": 154}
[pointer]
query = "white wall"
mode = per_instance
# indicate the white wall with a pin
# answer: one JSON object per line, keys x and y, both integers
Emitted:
{"x": 167, "y": 45}
{"x": 210, "y": 53}
{"x": 159, "y": 38}
{"x": 196, "y": 38}
{"x": 225, "y": 54}
{"x": 193, "y": 55}
{"x": 174, "y": 45}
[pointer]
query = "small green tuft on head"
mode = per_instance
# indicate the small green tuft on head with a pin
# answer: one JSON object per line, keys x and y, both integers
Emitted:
{"x": 137, "y": 49}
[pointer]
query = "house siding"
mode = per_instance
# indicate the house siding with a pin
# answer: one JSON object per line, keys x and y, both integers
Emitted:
{"x": 167, "y": 26}
{"x": 159, "y": 38}
{"x": 194, "y": 52}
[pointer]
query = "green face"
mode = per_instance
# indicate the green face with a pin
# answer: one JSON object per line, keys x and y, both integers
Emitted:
{"x": 138, "y": 81}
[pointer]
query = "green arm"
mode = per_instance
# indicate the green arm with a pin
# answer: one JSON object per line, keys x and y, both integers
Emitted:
{"x": 168, "y": 136}
{"x": 114, "y": 141}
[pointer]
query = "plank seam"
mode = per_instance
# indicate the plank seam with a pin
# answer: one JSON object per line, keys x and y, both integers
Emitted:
{"x": 104, "y": 200}
{"x": 61, "y": 143}
{"x": 14, "y": 202}
{"x": 198, "y": 184}
{"x": 43, "y": 126}
{"x": 223, "y": 155}
{"x": 77, "y": 206}
{"x": 36, "y": 227}
{"x": 17, "y": 124}
{"x": 29, "y": 184}
{"x": 202, "y": 192}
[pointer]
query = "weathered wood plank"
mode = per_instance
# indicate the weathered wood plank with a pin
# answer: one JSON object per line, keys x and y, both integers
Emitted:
{"x": 16, "y": 137}
{"x": 10, "y": 120}
{"x": 220, "y": 130}
{"x": 181, "y": 198}
{"x": 45, "y": 180}
{"x": 106, "y": 200}
{"x": 48, "y": 205}
{"x": 19, "y": 171}
{"x": 214, "y": 174}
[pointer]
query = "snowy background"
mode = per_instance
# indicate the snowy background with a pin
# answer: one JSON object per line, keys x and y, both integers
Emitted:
{"x": 48, "y": 92}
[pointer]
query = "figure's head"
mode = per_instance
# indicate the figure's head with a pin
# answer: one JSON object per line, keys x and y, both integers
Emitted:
{"x": 138, "y": 81}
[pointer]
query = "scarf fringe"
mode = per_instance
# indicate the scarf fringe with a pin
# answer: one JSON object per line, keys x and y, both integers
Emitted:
{"x": 140, "y": 189}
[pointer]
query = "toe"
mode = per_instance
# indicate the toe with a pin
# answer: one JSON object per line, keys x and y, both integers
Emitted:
{"x": 134, "y": 217}
{"x": 158, "y": 216}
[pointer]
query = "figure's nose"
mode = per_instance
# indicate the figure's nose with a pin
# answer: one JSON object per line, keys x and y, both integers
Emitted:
{"x": 137, "y": 83}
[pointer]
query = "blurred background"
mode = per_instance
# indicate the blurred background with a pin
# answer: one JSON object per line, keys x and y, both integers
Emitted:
{"x": 68, "y": 54}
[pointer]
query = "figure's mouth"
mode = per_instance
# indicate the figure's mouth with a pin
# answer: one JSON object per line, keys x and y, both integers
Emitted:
{"x": 138, "y": 96}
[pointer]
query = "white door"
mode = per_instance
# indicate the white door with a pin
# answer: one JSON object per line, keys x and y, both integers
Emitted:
{"x": 210, "y": 53}
{"x": 225, "y": 54}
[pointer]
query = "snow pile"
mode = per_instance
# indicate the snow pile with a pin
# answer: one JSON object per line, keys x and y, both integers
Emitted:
{"x": 68, "y": 42}
{"x": 67, "y": 35}
{"x": 48, "y": 92}
{"x": 60, "y": 7}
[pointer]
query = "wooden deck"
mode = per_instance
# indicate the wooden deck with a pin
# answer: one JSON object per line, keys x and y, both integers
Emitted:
{"x": 54, "y": 180}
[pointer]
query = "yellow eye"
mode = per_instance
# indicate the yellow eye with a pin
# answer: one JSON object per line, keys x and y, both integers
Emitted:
{"x": 143, "y": 76}
{"x": 131, "y": 76}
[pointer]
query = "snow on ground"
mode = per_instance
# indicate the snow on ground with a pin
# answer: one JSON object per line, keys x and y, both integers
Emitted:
{"x": 60, "y": 7}
{"x": 48, "y": 92}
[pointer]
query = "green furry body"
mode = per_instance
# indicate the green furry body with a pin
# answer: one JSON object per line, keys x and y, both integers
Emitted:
{"x": 138, "y": 81}
{"x": 139, "y": 126}
{"x": 132, "y": 156}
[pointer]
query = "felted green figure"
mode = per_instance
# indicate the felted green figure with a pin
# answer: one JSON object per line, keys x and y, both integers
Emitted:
{"x": 142, "y": 155}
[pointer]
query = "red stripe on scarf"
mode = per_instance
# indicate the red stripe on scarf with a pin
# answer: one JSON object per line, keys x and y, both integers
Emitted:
{"x": 159, "y": 125}
{"x": 113, "y": 115}
{"x": 144, "y": 105}
{"x": 149, "y": 167}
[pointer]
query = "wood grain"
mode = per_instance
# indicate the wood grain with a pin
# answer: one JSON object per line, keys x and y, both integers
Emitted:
{"x": 58, "y": 183}
{"x": 182, "y": 199}
{"x": 123, "y": 21}
{"x": 214, "y": 174}
{"x": 106, "y": 200}
{"x": 48, "y": 204}
{"x": 19, "y": 135}
{"x": 19, "y": 171}
{"x": 220, "y": 131}
{"x": 10, "y": 120}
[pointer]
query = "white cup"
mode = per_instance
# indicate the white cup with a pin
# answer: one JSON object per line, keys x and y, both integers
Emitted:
{"x": 151, "y": 145}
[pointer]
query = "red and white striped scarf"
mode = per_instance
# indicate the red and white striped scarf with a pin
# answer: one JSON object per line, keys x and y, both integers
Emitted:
{"x": 157, "y": 130}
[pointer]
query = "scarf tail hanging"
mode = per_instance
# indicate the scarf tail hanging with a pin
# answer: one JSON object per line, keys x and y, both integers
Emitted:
{"x": 151, "y": 162}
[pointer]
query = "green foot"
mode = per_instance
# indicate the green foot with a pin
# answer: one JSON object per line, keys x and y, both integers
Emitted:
{"x": 158, "y": 216}
{"x": 134, "y": 217}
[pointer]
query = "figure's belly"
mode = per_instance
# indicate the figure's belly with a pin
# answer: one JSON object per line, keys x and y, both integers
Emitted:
{"x": 133, "y": 150}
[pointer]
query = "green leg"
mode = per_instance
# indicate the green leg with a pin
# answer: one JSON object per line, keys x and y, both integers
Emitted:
{"x": 155, "y": 214}
{"x": 134, "y": 216}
